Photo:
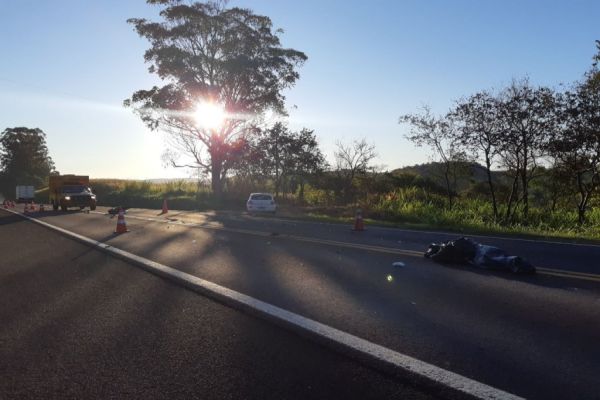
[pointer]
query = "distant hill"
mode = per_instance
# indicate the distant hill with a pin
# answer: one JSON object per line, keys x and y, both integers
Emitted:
{"x": 470, "y": 173}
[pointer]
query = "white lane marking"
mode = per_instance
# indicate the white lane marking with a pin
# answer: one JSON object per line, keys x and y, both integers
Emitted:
{"x": 376, "y": 354}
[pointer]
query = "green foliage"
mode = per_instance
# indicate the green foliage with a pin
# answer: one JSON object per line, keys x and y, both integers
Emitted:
{"x": 205, "y": 52}
{"x": 181, "y": 194}
{"x": 288, "y": 158}
{"x": 24, "y": 159}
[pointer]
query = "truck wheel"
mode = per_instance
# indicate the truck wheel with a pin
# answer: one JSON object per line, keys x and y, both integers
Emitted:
{"x": 93, "y": 207}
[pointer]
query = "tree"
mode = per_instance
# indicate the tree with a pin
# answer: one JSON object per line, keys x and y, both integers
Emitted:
{"x": 275, "y": 145}
{"x": 352, "y": 160}
{"x": 308, "y": 160}
{"x": 528, "y": 117}
{"x": 479, "y": 130}
{"x": 576, "y": 147}
{"x": 438, "y": 133}
{"x": 594, "y": 77}
{"x": 228, "y": 61}
{"x": 286, "y": 155}
{"x": 24, "y": 158}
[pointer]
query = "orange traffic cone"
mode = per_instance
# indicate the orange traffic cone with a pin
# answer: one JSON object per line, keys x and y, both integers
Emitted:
{"x": 121, "y": 225}
{"x": 165, "y": 209}
{"x": 42, "y": 209}
{"x": 358, "y": 221}
{"x": 32, "y": 206}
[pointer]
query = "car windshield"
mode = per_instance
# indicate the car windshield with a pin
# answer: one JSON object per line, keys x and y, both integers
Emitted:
{"x": 75, "y": 189}
{"x": 261, "y": 197}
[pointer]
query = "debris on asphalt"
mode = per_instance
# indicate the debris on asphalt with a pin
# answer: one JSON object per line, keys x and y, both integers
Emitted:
{"x": 398, "y": 264}
{"x": 468, "y": 251}
{"x": 115, "y": 210}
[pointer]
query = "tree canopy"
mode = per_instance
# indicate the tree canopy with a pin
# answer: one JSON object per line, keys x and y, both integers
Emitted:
{"x": 207, "y": 53}
{"x": 24, "y": 158}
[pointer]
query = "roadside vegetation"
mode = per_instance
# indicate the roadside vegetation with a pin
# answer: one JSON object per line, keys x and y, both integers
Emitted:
{"x": 414, "y": 202}
{"x": 522, "y": 159}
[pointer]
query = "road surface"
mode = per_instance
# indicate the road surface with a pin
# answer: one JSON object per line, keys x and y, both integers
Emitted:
{"x": 77, "y": 323}
{"x": 535, "y": 336}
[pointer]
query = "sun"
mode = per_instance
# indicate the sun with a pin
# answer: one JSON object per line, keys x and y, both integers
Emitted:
{"x": 209, "y": 115}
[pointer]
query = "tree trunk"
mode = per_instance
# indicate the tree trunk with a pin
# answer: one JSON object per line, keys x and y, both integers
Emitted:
{"x": 488, "y": 167}
{"x": 524, "y": 180}
{"x": 277, "y": 172}
{"x": 511, "y": 198}
{"x": 301, "y": 192}
{"x": 448, "y": 189}
{"x": 216, "y": 181}
{"x": 581, "y": 214}
{"x": 525, "y": 184}
{"x": 584, "y": 196}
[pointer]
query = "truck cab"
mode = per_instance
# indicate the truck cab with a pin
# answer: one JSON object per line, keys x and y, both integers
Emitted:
{"x": 68, "y": 191}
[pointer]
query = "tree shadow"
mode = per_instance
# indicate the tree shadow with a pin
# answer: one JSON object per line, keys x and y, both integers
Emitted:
{"x": 6, "y": 219}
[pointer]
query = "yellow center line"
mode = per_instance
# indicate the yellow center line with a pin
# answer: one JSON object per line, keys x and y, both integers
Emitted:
{"x": 359, "y": 246}
{"x": 567, "y": 274}
{"x": 562, "y": 271}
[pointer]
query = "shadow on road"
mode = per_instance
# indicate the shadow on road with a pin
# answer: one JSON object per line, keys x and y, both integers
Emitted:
{"x": 91, "y": 249}
{"x": 6, "y": 219}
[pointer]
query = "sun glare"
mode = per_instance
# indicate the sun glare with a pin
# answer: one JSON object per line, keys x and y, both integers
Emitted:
{"x": 209, "y": 115}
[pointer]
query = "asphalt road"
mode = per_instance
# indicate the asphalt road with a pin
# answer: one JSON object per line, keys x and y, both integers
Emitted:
{"x": 77, "y": 323}
{"x": 565, "y": 254}
{"x": 532, "y": 336}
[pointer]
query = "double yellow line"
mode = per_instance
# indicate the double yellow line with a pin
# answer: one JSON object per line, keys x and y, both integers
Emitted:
{"x": 568, "y": 274}
{"x": 542, "y": 271}
{"x": 378, "y": 249}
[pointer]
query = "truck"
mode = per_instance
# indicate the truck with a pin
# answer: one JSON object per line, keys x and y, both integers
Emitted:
{"x": 68, "y": 191}
{"x": 25, "y": 194}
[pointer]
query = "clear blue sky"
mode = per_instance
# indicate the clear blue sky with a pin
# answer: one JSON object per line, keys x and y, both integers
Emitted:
{"x": 67, "y": 65}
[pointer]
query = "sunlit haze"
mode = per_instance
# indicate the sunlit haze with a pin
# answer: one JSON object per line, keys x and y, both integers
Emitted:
{"x": 67, "y": 66}
{"x": 209, "y": 115}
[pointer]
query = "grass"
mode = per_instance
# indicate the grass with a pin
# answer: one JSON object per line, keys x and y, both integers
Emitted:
{"x": 414, "y": 208}
{"x": 411, "y": 208}
{"x": 516, "y": 230}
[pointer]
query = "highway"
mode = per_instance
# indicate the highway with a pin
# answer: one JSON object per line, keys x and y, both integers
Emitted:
{"x": 76, "y": 323}
{"x": 532, "y": 336}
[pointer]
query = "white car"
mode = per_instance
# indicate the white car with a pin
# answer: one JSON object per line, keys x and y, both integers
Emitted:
{"x": 261, "y": 202}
